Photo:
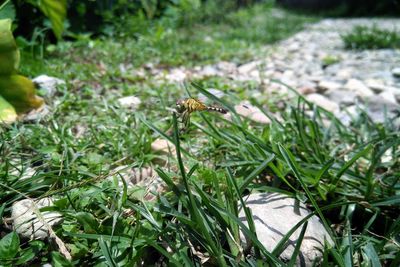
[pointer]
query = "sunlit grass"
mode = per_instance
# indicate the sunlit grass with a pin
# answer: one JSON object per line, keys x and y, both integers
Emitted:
{"x": 349, "y": 176}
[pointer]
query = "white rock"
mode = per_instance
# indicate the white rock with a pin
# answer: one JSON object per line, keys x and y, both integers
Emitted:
{"x": 323, "y": 102}
{"x": 345, "y": 73}
{"x": 226, "y": 66}
{"x": 176, "y": 75}
{"x": 347, "y": 115}
{"x": 25, "y": 221}
{"x": 376, "y": 85}
{"x": 342, "y": 97}
{"x": 248, "y": 67}
{"x": 388, "y": 96}
{"x": 210, "y": 71}
{"x": 48, "y": 84}
{"x": 37, "y": 114}
{"x": 306, "y": 90}
{"x": 274, "y": 216}
{"x": 358, "y": 87}
{"x": 132, "y": 102}
{"x": 396, "y": 72}
{"x": 379, "y": 109}
{"x": 162, "y": 146}
{"x": 251, "y": 112}
{"x": 328, "y": 86}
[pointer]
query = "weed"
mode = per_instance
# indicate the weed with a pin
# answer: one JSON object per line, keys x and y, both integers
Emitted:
{"x": 362, "y": 37}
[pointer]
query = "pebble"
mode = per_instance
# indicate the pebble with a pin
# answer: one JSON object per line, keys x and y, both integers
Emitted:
{"x": 132, "y": 102}
{"x": 342, "y": 97}
{"x": 252, "y": 113}
{"x": 358, "y": 87}
{"x": 48, "y": 85}
{"x": 323, "y": 102}
{"x": 163, "y": 146}
{"x": 285, "y": 215}
{"x": 396, "y": 72}
{"x": 328, "y": 86}
{"x": 26, "y": 222}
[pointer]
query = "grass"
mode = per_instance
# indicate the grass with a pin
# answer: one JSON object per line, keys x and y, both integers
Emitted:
{"x": 362, "y": 37}
{"x": 338, "y": 171}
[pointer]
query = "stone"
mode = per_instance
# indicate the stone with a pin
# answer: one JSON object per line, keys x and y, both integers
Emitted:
{"x": 323, "y": 102}
{"x": 328, "y": 86}
{"x": 248, "y": 67}
{"x": 131, "y": 102}
{"x": 388, "y": 96}
{"x": 209, "y": 71}
{"x": 396, "y": 72}
{"x": 342, "y": 97}
{"x": 226, "y": 66}
{"x": 163, "y": 146}
{"x": 274, "y": 216}
{"x": 359, "y": 88}
{"x": 345, "y": 73}
{"x": 306, "y": 90}
{"x": 26, "y": 222}
{"x": 48, "y": 85}
{"x": 176, "y": 75}
{"x": 37, "y": 114}
{"x": 252, "y": 113}
{"x": 380, "y": 110}
{"x": 376, "y": 85}
{"x": 347, "y": 115}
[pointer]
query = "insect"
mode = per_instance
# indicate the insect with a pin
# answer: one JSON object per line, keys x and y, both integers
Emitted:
{"x": 186, "y": 106}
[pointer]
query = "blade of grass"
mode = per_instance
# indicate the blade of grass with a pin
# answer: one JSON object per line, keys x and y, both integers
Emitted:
{"x": 255, "y": 172}
{"x": 194, "y": 208}
{"x": 293, "y": 166}
{"x": 106, "y": 252}
{"x": 296, "y": 251}
{"x": 348, "y": 164}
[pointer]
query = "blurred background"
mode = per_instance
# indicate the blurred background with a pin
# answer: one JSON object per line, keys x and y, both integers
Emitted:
{"x": 32, "y": 19}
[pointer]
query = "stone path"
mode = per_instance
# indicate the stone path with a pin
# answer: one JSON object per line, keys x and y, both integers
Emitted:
{"x": 315, "y": 63}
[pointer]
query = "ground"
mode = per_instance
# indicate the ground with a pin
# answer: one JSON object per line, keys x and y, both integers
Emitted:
{"x": 92, "y": 147}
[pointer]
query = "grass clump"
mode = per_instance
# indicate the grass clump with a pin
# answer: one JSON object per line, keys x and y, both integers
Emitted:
{"x": 347, "y": 175}
{"x": 363, "y": 37}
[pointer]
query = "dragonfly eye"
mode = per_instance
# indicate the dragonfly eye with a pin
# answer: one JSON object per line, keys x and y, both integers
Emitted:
{"x": 179, "y": 107}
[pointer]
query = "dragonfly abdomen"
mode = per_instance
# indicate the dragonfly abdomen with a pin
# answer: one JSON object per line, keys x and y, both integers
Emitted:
{"x": 217, "y": 109}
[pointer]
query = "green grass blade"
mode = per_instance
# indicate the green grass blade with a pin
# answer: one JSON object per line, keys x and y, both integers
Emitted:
{"x": 256, "y": 172}
{"x": 293, "y": 166}
{"x": 107, "y": 253}
{"x": 372, "y": 255}
{"x": 296, "y": 251}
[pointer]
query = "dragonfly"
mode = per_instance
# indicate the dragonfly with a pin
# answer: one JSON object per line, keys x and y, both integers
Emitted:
{"x": 184, "y": 107}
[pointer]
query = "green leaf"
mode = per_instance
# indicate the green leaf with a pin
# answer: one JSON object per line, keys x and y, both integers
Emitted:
{"x": 56, "y": 11}
{"x": 256, "y": 172}
{"x": 9, "y": 246}
{"x": 7, "y": 10}
{"x": 19, "y": 91}
{"x": 9, "y": 54}
{"x": 59, "y": 261}
{"x": 88, "y": 221}
{"x": 7, "y": 111}
{"x": 107, "y": 252}
{"x": 288, "y": 156}
{"x": 371, "y": 254}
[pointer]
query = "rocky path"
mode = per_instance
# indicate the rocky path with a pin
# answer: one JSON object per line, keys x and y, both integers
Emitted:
{"x": 316, "y": 63}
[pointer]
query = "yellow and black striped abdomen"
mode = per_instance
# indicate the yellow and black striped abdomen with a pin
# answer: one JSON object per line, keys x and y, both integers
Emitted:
{"x": 217, "y": 109}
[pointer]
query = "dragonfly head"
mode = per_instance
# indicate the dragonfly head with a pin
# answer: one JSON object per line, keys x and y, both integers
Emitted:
{"x": 180, "y": 105}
